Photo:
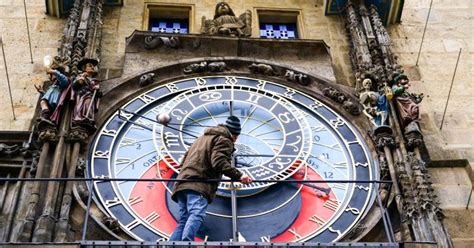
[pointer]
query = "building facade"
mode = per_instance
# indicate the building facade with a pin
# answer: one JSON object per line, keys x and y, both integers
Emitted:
{"x": 322, "y": 85}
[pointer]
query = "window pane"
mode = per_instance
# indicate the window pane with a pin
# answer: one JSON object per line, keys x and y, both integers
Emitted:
{"x": 278, "y": 31}
{"x": 166, "y": 25}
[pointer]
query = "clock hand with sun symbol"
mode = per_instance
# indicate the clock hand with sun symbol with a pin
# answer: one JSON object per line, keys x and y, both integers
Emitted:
{"x": 301, "y": 138}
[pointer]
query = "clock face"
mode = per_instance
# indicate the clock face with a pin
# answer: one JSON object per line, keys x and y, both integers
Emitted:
{"x": 286, "y": 135}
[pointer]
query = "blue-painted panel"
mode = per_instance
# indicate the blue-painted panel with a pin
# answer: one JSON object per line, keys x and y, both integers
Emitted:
{"x": 166, "y": 25}
{"x": 384, "y": 7}
{"x": 285, "y": 31}
{"x": 66, "y": 5}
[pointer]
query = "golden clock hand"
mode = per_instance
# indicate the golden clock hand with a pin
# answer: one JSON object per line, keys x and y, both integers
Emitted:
{"x": 325, "y": 190}
{"x": 149, "y": 119}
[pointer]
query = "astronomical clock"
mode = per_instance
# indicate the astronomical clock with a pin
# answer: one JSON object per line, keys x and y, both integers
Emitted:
{"x": 287, "y": 135}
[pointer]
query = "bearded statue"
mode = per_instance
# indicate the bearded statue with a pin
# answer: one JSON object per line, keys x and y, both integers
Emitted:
{"x": 226, "y": 23}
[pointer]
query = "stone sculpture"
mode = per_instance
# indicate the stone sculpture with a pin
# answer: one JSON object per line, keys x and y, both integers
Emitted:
{"x": 146, "y": 79}
{"x": 86, "y": 94}
{"x": 204, "y": 66}
{"x": 226, "y": 23}
{"x": 351, "y": 107}
{"x": 217, "y": 66}
{"x": 407, "y": 102}
{"x": 196, "y": 67}
{"x": 295, "y": 77}
{"x": 51, "y": 97}
{"x": 262, "y": 69}
{"x": 334, "y": 94}
{"x": 375, "y": 104}
{"x": 8, "y": 149}
{"x": 339, "y": 97}
{"x": 154, "y": 42}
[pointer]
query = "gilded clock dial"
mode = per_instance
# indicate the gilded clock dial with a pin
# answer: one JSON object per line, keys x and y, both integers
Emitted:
{"x": 299, "y": 136}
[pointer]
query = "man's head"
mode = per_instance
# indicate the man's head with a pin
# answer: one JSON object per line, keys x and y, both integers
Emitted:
{"x": 233, "y": 124}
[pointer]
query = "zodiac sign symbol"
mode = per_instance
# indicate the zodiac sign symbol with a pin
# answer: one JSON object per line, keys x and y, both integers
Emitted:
{"x": 284, "y": 117}
{"x": 172, "y": 87}
{"x": 296, "y": 148}
{"x": 337, "y": 122}
{"x": 316, "y": 105}
{"x": 181, "y": 112}
{"x": 210, "y": 96}
{"x": 200, "y": 81}
{"x": 231, "y": 80}
{"x": 279, "y": 163}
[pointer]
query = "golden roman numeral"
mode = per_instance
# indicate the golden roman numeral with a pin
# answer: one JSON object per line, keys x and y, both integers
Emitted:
{"x": 152, "y": 217}
{"x": 315, "y": 218}
{"x": 134, "y": 200}
{"x": 293, "y": 231}
{"x": 331, "y": 204}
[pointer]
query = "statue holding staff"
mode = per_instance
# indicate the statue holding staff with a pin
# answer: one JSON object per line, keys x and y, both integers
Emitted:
{"x": 86, "y": 93}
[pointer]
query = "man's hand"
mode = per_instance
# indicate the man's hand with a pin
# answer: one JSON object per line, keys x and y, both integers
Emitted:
{"x": 245, "y": 179}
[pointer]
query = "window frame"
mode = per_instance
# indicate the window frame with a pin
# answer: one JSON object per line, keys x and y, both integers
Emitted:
{"x": 186, "y": 9}
{"x": 289, "y": 16}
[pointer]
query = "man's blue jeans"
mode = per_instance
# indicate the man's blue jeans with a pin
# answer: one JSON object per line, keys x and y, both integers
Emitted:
{"x": 192, "y": 210}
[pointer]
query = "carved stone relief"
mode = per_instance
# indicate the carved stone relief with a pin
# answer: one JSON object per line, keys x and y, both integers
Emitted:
{"x": 154, "y": 42}
{"x": 226, "y": 23}
{"x": 146, "y": 79}
{"x": 262, "y": 69}
{"x": 205, "y": 67}
{"x": 296, "y": 77}
{"x": 341, "y": 98}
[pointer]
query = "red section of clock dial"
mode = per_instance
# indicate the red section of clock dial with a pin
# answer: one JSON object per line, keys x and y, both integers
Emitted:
{"x": 315, "y": 210}
{"x": 153, "y": 195}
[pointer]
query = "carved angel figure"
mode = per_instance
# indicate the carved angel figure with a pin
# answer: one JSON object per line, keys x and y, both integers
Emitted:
{"x": 226, "y": 23}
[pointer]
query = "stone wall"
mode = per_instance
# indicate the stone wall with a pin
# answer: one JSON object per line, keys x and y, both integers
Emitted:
{"x": 449, "y": 29}
{"x": 452, "y": 148}
{"x": 45, "y": 34}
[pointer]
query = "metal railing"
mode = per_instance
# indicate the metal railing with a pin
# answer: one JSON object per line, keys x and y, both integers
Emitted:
{"x": 84, "y": 242}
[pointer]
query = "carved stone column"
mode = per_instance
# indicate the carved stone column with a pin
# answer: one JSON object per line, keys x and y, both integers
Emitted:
{"x": 82, "y": 37}
{"x": 45, "y": 225}
{"x": 78, "y": 136}
{"x": 25, "y": 221}
{"x": 415, "y": 198}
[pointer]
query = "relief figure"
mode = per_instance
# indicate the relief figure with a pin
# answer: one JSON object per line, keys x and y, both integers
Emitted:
{"x": 226, "y": 23}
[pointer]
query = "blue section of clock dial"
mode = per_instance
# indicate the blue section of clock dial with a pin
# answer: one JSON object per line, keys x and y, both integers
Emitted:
{"x": 276, "y": 120}
{"x": 145, "y": 233}
{"x": 101, "y": 167}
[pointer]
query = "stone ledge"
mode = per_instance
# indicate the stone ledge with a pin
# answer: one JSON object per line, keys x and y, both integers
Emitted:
{"x": 448, "y": 163}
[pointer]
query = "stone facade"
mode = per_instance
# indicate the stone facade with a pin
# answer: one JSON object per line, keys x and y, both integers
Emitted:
{"x": 45, "y": 34}
{"x": 450, "y": 28}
